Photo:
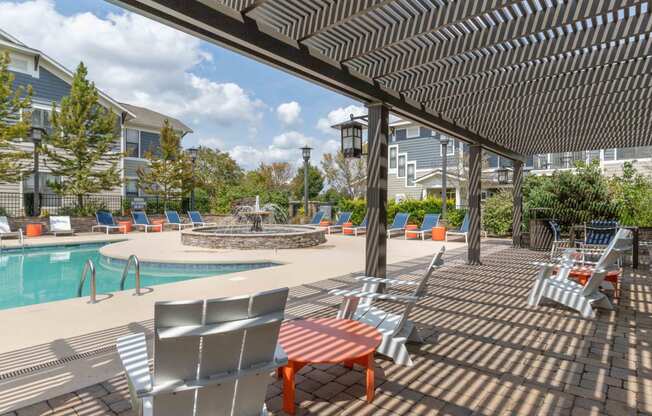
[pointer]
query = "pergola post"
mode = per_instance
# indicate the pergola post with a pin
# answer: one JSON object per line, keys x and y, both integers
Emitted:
{"x": 475, "y": 173}
{"x": 517, "y": 216}
{"x": 376, "y": 242}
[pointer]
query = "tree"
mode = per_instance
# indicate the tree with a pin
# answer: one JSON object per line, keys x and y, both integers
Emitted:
{"x": 169, "y": 173}
{"x": 80, "y": 146}
{"x": 277, "y": 175}
{"x": 315, "y": 183}
{"x": 347, "y": 176}
{"x": 633, "y": 194}
{"x": 12, "y": 127}
{"x": 215, "y": 170}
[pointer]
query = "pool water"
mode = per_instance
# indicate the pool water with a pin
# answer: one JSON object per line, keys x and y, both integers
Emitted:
{"x": 39, "y": 275}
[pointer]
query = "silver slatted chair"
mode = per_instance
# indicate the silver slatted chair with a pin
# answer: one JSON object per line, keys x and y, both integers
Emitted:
{"x": 215, "y": 356}
{"x": 396, "y": 328}
{"x": 561, "y": 289}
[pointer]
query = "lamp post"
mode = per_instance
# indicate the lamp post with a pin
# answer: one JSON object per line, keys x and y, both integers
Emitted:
{"x": 443, "y": 140}
{"x": 305, "y": 151}
{"x": 192, "y": 152}
{"x": 36, "y": 134}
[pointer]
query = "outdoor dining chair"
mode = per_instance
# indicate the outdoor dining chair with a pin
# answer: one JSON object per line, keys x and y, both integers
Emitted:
{"x": 559, "y": 288}
{"x": 211, "y": 357}
{"x": 395, "y": 327}
{"x": 399, "y": 224}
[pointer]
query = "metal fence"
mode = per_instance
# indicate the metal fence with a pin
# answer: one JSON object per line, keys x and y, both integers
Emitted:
{"x": 19, "y": 205}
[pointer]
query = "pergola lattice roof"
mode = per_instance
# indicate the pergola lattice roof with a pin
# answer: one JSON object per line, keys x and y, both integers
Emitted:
{"x": 519, "y": 77}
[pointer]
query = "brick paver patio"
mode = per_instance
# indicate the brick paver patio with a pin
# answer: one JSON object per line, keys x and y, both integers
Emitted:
{"x": 486, "y": 352}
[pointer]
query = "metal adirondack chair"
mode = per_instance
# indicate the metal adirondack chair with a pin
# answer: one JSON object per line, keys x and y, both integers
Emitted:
{"x": 572, "y": 294}
{"x": 215, "y": 356}
{"x": 396, "y": 328}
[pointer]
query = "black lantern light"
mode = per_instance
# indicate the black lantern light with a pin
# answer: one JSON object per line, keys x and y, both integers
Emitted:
{"x": 305, "y": 151}
{"x": 352, "y": 138}
{"x": 192, "y": 152}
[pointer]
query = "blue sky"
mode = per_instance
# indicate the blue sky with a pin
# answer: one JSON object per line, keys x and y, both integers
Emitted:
{"x": 233, "y": 103}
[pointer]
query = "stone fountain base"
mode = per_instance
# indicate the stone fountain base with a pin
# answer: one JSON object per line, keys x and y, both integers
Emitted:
{"x": 242, "y": 238}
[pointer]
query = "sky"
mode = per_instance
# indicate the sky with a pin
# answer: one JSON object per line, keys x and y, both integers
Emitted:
{"x": 232, "y": 103}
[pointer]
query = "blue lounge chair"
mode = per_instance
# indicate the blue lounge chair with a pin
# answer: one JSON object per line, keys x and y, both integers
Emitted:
{"x": 197, "y": 220}
{"x": 358, "y": 229}
{"x": 141, "y": 221}
{"x": 429, "y": 221}
{"x": 175, "y": 221}
{"x": 557, "y": 241}
{"x": 399, "y": 224}
{"x": 464, "y": 230}
{"x": 316, "y": 219}
{"x": 344, "y": 217}
{"x": 105, "y": 220}
{"x": 599, "y": 233}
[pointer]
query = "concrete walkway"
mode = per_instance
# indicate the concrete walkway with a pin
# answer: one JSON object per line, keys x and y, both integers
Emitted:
{"x": 486, "y": 352}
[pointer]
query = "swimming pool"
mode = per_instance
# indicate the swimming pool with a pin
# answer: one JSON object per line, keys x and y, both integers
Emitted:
{"x": 39, "y": 275}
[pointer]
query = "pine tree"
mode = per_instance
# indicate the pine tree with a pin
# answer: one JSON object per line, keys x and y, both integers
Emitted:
{"x": 80, "y": 147}
{"x": 169, "y": 174}
{"x": 12, "y": 127}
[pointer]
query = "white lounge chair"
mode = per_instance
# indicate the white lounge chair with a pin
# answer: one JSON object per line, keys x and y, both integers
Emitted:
{"x": 572, "y": 294}
{"x": 5, "y": 231}
{"x": 213, "y": 356}
{"x": 61, "y": 225}
{"x": 396, "y": 328}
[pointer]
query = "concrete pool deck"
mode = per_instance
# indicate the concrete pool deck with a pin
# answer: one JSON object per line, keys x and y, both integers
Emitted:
{"x": 52, "y": 348}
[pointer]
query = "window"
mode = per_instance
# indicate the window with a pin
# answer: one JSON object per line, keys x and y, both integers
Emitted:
{"x": 150, "y": 144}
{"x": 401, "y": 166}
{"x": 413, "y": 132}
{"x": 610, "y": 154}
{"x": 133, "y": 143}
{"x": 450, "y": 149}
{"x": 411, "y": 174}
{"x": 400, "y": 134}
{"x": 393, "y": 151}
{"x": 131, "y": 187}
{"x": 19, "y": 64}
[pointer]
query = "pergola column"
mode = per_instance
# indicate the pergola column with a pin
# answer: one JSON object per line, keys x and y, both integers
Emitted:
{"x": 376, "y": 242}
{"x": 475, "y": 173}
{"x": 517, "y": 216}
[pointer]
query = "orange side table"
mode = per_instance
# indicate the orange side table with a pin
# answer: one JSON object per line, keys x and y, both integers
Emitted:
{"x": 160, "y": 225}
{"x": 126, "y": 226}
{"x": 583, "y": 274}
{"x": 329, "y": 341}
{"x": 346, "y": 228}
{"x": 34, "y": 229}
{"x": 439, "y": 233}
{"x": 409, "y": 228}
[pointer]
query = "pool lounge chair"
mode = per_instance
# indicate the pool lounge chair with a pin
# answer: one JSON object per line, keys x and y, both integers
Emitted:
{"x": 175, "y": 221}
{"x": 559, "y": 288}
{"x": 557, "y": 241}
{"x": 141, "y": 221}
{"x": 232, "y": 341}
{"x": 429, "y": 221}
{"x": 395, "y": 327}
{"x": 197, "y": 220}
{"x": 399, "y": 224}
{"x": 105, "y": 220}
{"x": 358, "y": 229}
{"x": 5, "y": 231}
{"x": 341, "y": 219}
{"x": 316, "y": 219}
{"x": 61, "y": 225}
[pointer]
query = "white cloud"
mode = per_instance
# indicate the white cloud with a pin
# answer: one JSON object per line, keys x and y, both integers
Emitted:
{"x": 212, "y": 142}
{"x": 133, "y": 59}
{"x": 337, "y": 116}
{"x": 288, "y": 113}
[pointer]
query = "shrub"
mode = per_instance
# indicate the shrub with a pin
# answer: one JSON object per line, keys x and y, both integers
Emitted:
{"x": 416, "y": 208}
{"x": 497, "y": 215}
{"x": 357, "y": 206}
{"x": 455, "y": 217}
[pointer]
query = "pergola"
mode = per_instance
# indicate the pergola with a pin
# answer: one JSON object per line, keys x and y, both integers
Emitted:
{"x": 512, "y": 77}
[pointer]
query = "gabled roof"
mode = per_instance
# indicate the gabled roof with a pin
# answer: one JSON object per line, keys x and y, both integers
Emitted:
{"x": 145, "y": 117}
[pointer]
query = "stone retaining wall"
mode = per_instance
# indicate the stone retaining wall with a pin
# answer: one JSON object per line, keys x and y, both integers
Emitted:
{"x": 310, "y": 238}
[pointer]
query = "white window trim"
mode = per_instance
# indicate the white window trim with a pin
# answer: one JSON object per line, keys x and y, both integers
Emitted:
{"x": 34, "y": 73}
{"x": 450, "y": 149}
{"x": 389, "y": 154}
{"x": 398, "y": 159}
{"x": 415, "y": 174}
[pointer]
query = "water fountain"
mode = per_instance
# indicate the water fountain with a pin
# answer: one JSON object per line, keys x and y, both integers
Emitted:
{"x": 255, "y": 227}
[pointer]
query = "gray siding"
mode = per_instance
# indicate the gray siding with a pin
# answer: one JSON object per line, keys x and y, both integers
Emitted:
{"x": 396, "y": 185}
{"x": 425, "y": 151}
{"x": 47, "y": 88}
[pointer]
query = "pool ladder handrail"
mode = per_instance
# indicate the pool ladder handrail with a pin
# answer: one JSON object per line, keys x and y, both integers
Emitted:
{"x": 132, "y": 259}
{"x": 88, "y": 266}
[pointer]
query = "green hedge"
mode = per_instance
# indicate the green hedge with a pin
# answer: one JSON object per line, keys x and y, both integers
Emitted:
{"x": 497, "y": 215}
{"x": 416, "y": 208}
